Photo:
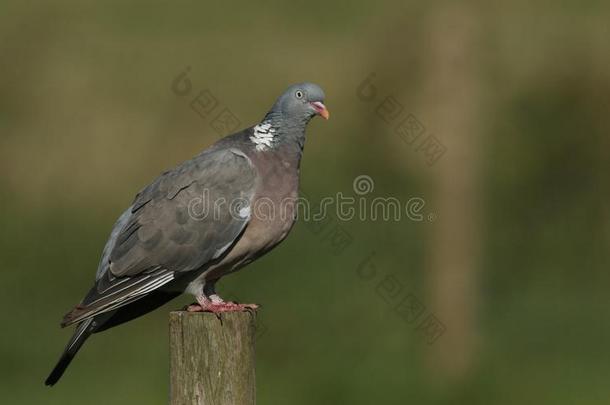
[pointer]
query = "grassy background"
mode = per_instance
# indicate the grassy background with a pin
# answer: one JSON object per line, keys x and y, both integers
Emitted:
{"x": 87, "y": 118}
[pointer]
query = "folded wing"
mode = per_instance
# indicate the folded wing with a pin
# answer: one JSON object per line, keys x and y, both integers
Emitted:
{"x": 187, "y": 218}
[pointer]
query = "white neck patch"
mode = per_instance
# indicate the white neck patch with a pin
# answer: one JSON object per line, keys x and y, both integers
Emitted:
{"x": 263, "y": 136}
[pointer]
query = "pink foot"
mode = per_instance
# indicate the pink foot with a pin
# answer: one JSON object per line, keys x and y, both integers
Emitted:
{"x": 217, "y": 306}
{"x": 229, "y": 307}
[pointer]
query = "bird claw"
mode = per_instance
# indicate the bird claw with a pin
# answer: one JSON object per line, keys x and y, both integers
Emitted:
{"x": 219, "y": 317}
{"x": 229, "y": 307}
{"x": 218, "y": 308}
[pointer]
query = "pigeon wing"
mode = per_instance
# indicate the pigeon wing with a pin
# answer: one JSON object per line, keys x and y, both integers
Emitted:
{"x": 188, "y": 217}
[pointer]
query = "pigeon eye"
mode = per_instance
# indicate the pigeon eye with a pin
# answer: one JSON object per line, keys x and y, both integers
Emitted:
{"x": 298, "y": 94}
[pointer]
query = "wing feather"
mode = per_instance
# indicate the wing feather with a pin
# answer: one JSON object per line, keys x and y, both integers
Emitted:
{"x": 117, "y": 293}
{"x": 186, "y": 216}
{"x": 159, "y": 236}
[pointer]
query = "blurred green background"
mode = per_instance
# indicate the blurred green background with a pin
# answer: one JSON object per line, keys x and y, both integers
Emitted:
{"x": 513, "y": 260}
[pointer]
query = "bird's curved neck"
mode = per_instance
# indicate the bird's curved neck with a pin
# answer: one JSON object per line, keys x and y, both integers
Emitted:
{"x": 274, "y": 131}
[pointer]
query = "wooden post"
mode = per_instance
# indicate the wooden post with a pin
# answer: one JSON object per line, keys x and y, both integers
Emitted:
{"x": 212, "y": 359}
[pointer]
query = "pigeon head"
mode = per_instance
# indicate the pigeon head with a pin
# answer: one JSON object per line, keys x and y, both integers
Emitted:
{"x": 299, "y": 103}
{"x": 287, "y": 119}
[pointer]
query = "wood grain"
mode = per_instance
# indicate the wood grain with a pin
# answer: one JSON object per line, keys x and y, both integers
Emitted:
{"x": 211, "y": 359}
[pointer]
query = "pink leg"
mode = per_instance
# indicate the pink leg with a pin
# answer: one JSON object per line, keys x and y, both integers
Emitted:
{"x": 215, "y": 304}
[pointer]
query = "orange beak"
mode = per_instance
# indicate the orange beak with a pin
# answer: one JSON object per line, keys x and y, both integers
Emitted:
{"x": 320, "y": 109}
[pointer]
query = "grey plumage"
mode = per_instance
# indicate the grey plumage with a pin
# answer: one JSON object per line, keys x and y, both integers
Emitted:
{"x": 160, "y": 237}
{"x": 174, "y": 238}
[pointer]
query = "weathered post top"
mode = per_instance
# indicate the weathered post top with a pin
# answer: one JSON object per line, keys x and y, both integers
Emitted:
{"x": 212, "y": 359}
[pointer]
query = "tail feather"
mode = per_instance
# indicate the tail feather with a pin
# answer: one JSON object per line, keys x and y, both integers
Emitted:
{"x": 120, "y": 293}
{"x": 103, "y": 321}
{"x": 82, "y": 332}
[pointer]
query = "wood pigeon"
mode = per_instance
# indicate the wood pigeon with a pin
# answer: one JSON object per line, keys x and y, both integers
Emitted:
{"x": 205, "y": 218}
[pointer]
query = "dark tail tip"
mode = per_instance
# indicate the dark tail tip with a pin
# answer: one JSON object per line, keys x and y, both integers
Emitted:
{"x": 82, "y": 332}
{"x": 59, "y": 369}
